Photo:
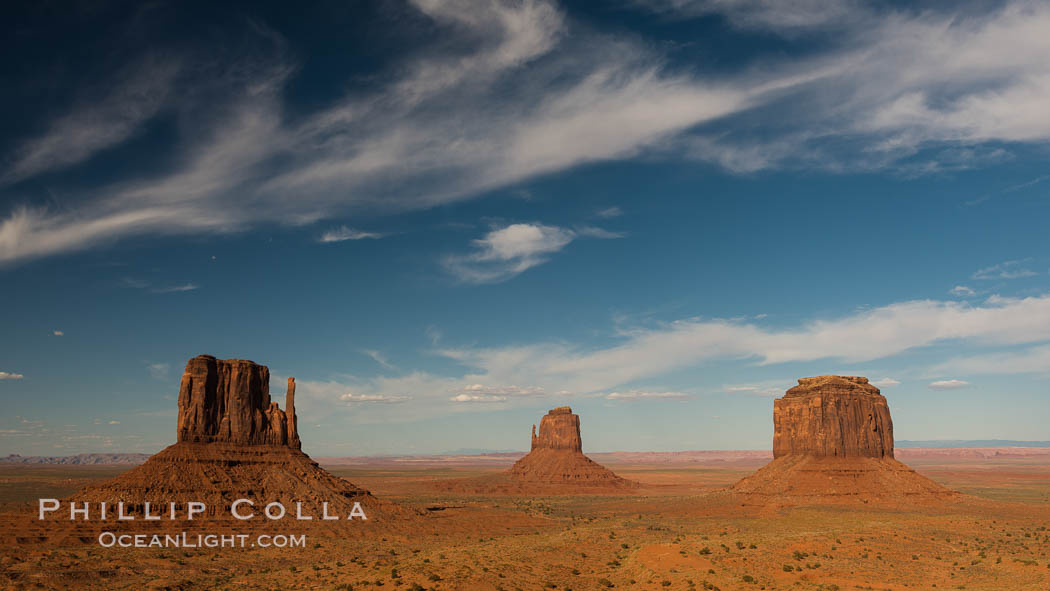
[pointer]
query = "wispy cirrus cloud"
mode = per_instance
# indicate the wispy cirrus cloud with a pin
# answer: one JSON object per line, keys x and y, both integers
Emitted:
{"x": 176, "y": 288}
{"x": 514, "y": 90}
{"x": 431, "y": 132}
{"x": 344, "y": 233}
{"x": 497, "y": 391}
{"x": 379, "y": 358}
{"x": 873, "y": 334}
{"x": 1028, "y": 360}
{"x": 784, "y": 16}
{"x": 136, "y": 94}
{"x": 948, "y": 385}
{"x": 1004, "y": 270}
{"x": 464, "y": 397}
{"x": 886, "y": 383}
{"x": 8, "y": 375}
{"x": 770, "y": 389}
{"x": 159, "y": 371}
{"x": 373, "y": 398}
{"x": 635, "y": 395}
{"x": 146, "y": 285}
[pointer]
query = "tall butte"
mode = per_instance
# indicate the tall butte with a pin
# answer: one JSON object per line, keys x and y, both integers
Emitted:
{"x": 557, "y": 456}
{"x": 833, "y": 443}
{"x": 234, "y": 442}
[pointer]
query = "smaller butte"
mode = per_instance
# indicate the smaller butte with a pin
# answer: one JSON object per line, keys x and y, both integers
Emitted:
{"x": 833, "y": 443}
{"x": 557, "y": 456}
{"x": 554, "y": 465}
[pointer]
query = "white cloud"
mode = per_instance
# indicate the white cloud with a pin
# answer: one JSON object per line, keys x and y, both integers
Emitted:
{"x": 176, "y": 288}
{"x": 477, "y": 398}
{"x": 98, "y": 122}
{"x": 501, "y": 391}
{"x": 58, "y": 333}
{"x": 6, "y": 375}
{"x": 379, "y": 358}
{"x": 505, "y": 94}
{"x": 594, "y": 232}
{"x": 1030, "y": 360}
{"x": 344, "y": 233}
{"x": 771, "y": 389}
{"x": 962, "y": 290}
{"x": 864, "y": 336}
{"x": 777, "y": 15}
{"x": 512, "y": 90}
{"x": 1005, "y": 270}
{"x": 948, "y": 385}
{"x": 159, "y": 371}
{"x": 916, "y": 91}
{"x": 609, "y": 212}
{"x": 374, "y": 398}
{"x": 114, "y": 422}
{"x": 133, "y": 283}
{"x": 645, "y": 395}
{"x": 506, "y": 252}
{"x": 509, "y": 251}
{"x": 573, "y": 370}
{"x": 886, "y": 383}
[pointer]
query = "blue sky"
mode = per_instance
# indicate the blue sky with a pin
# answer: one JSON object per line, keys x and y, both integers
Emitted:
{"x": 444, "y": 218}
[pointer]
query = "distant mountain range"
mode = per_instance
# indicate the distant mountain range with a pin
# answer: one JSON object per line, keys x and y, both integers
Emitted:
{"x": 953, "y": 443}
{"x": 80, "y": 460}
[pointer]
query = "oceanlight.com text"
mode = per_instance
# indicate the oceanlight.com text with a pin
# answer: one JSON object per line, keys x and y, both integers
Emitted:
{"x": 186, "y": 540}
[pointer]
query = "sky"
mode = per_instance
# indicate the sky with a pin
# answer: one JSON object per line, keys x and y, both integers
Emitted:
{"x": 445, "y": 218}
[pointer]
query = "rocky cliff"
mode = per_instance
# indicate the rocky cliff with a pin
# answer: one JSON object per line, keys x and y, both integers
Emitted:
{"x": 228, "y": 400}
{"x": 832, "y": 416}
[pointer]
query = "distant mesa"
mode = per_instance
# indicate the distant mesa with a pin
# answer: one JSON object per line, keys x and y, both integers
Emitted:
{"x": 557, "y": 455}
{"x": 833, "y": 442}
{"x": 555, "y": 464}
{"x": 234, "y": 442}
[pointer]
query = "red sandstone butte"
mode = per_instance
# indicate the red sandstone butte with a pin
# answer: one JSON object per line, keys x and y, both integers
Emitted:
{"x": 833, "y": 443}
{"x": 557, "y": 456}
{"x": 234, "y": 442}
{"x": 837, "y": 416}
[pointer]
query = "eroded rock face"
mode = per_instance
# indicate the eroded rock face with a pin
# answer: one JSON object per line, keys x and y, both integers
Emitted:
{"x": 832, "y": 416}
{"x": 559, "y": 429}
{"x": 228, "y": 400}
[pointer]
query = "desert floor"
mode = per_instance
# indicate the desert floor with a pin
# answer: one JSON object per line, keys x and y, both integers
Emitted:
{"x": 678, "y": 531}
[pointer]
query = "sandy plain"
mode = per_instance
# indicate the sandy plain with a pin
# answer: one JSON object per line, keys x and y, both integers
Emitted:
{"x": 679, "y": 531}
